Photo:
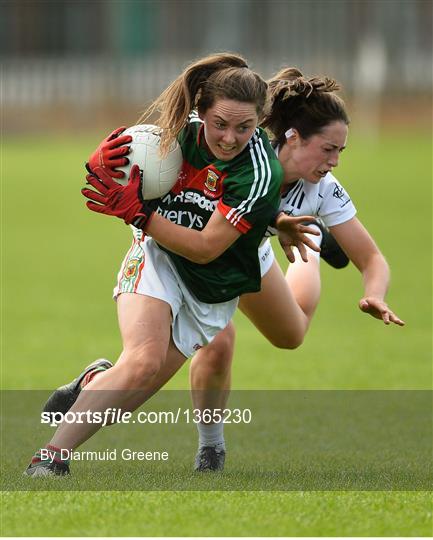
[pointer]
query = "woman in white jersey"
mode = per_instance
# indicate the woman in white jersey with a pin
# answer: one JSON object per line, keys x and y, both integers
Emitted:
{"x": 309, "y": 125}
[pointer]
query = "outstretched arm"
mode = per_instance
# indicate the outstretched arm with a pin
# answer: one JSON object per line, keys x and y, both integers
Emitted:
{"x": 360, "y": 247}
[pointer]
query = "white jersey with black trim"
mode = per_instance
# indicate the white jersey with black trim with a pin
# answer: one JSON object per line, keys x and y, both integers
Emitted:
{"x": 327, "y": 200}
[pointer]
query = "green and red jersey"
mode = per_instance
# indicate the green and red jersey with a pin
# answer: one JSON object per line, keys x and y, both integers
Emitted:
{"x": 246, "y": 190}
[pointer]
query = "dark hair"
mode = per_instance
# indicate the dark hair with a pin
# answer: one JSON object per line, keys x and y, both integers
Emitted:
{"x": 224, "y": 75}
{"x": 308, "y": 105}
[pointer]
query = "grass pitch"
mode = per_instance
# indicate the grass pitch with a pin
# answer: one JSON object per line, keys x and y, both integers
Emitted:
{"x": 59, "y": 267}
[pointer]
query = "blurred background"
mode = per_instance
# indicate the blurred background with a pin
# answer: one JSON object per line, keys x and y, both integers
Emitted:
{"x": 89, "y": 64}
{"x": 72, "y": 71}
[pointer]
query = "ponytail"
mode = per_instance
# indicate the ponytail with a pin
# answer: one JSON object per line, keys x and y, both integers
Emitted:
{"x": 222, "y": 75}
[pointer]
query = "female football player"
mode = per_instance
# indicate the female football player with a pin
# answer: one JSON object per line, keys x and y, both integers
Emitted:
{"x": 309, "y": 126}
{"x": 180, "y": 281}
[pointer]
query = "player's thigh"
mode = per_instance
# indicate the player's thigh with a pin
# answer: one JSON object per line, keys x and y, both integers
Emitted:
{"x": 144, "y": 320}
{"x": 273, "y": 310}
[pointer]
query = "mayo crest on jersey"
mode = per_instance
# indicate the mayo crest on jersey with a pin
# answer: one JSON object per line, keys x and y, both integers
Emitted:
{"x": 327, "y": 200}
{"x": 246, "y": 190}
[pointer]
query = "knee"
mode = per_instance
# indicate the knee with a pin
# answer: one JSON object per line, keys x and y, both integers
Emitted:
{"x": 215, "y": 359}
{"x": 139, "y": 367}
{"x": 224, "y": 342}
{"x": 288, "y": 341}
{"x": 220, "y": 350}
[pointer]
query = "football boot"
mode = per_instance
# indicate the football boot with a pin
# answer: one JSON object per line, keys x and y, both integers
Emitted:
{"x": 62, "y": 399}
{"x": 47, "y": 469}
{"x": 209, "y": 459}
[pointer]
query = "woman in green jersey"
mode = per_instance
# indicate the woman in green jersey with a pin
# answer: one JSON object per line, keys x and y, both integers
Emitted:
{"x": 179, "y": 284}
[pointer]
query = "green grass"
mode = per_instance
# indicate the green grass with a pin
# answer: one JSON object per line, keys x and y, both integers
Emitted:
{"x": 218, "y": 514}
{"x": 59, "y": 266}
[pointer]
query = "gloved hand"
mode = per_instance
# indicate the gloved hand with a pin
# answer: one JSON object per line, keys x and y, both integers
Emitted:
{"x": 125, "y": 202}
{"x": 110, "y": 153}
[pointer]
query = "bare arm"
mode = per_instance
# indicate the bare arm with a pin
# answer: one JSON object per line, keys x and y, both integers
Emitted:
{"x": 204, "y": 246}
{"x": 200, "y": 247}
{"x": 366, "y": 256}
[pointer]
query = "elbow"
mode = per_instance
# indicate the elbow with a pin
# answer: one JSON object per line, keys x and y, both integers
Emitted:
{"x": 198, "y": 254}
{"x": 203, "y": 258}
{"x": 204, "y": 253}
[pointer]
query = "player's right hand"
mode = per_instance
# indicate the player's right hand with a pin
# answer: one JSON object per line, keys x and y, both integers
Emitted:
{"x": 292, "y": 233}
{"x": 111, "y": 153}
{"x": 110, "y": 198}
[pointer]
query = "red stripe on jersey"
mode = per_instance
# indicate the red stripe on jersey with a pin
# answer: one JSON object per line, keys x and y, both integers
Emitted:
{"x": 189, "y": 176}
{"x": 241, "y": 224}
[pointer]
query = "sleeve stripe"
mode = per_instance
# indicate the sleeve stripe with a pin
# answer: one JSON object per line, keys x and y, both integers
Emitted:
{"x": 262, "y": 178}
{"x": 242, "y": 225}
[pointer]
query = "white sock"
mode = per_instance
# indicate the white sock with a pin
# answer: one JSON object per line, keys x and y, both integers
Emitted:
{"x": 211, "y": 435}
{"x": 316, "y": 239}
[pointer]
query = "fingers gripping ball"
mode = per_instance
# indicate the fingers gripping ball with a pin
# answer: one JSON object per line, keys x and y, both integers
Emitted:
{"x": 124, "y": 202}
{"x": 111, "y": 153}
{"x": 158, "y": 174}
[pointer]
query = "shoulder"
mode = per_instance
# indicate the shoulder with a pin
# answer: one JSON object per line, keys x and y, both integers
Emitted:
{"x": 188, "y": 140}
{"x": 328, "y": 183}
{"x": 190, "y": 131}
{"x": 331, "y": 188}
{"x": 336, "y": 205}
{"x": 258, "y": 160}
{"x": 260, "y": 144}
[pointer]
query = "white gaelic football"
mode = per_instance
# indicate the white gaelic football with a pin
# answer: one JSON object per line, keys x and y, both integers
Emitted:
{"x": 158, "y": 174}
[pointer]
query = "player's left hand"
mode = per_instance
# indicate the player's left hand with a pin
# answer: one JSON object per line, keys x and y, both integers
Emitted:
{"x": 380, "y": 310}
{"x": 113, "y": 199}
{"x": 292, "y": 233}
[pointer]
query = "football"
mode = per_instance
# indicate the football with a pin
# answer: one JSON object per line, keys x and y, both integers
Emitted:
{"x": 158, "y": 174}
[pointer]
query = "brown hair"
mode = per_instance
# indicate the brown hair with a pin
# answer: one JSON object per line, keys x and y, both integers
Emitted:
{"x": 224, "y": 75}
{"x": 308, "y": 105}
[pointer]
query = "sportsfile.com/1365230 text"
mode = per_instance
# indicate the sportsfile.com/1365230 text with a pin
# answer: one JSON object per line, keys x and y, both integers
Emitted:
{"x": 118, "y": 416}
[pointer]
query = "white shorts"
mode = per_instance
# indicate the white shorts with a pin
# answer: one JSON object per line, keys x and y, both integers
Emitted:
{"x": 266, "y": 256}
{"x": 148, "y": 270}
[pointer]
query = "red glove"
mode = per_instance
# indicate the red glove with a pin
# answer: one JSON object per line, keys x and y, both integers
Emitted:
{"x": 110, "y": 152}
{"x": 125, "y": 202}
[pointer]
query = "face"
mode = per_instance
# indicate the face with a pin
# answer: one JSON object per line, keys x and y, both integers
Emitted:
{"x": 312, "y": 158}
{"x": 228, "y": 126}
